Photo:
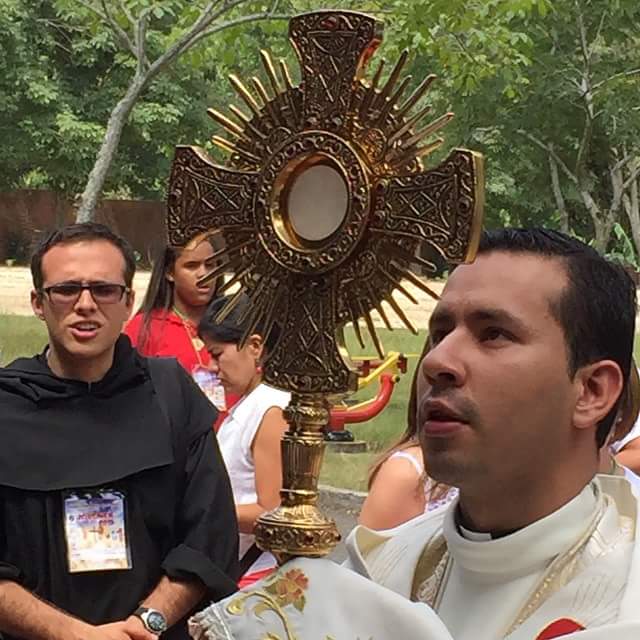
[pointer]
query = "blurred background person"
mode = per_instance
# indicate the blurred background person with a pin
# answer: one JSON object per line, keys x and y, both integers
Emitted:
{"x": 626, "y": 441}
{"x": 613, "y": 460}
{"x": 167, "y": 322}
{"x": 399, "y": 486}
{"x": 250, "y": 434}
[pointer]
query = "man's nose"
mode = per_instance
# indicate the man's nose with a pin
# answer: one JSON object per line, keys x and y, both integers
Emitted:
{"x": 442, "y": 364}
{"x": 85, "y": 300}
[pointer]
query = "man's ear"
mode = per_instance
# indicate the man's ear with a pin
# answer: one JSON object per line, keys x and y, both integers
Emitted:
{"x": 599, "y": 386}
{"x": 36, "y": 304}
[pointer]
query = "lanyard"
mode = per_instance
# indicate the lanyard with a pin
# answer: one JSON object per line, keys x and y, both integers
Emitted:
{"x": 196, "y": 343}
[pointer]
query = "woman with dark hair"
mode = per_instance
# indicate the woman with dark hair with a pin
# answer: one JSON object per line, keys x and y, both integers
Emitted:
{"x": 167, "y": 321}
{"x": 399, "y": 487}
{"x": 250, "y": 435}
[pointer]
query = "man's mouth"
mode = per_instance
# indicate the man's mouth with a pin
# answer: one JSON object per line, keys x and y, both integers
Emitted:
{"x": 85, "y": 330}
{"x": 440, "y": 420}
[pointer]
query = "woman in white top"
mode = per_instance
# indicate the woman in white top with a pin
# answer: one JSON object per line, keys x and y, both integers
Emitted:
{"x": 249, "y": 436}
{"x": 399, "y": 487}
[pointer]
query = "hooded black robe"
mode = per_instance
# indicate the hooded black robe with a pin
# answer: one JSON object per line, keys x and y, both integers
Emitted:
{"x": 152, "y": 440}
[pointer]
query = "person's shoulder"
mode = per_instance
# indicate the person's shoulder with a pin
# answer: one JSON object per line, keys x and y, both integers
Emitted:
{"x": 389, "y": 557}
{"x": 409, "y": 460}
{"x": 398, "y": 471}
{"x": 269, "y": 393}
{"x": 164, "y": 364}
{"x": 169, "y": 378}
{"x": 31, "y": 364}
{"x": 264, "y": 397}
{"x": 190, "y": 412}
{"x": 20, "y": 376}
{"x": 415, "y": 529}
{"x": 154, "y": 317}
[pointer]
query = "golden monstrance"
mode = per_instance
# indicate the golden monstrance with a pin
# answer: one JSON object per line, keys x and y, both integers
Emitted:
{"x": 323, "y": 208}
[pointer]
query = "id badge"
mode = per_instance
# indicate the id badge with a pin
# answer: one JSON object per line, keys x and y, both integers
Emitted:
{"x": 210, "y": 385}
{"x": 95, "y": 532}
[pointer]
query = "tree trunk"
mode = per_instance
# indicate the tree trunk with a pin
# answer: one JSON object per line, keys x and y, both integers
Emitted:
{"x": 557, "y": 194}
{"x": 632, "y": 207}
{"x": 602, "y": 220}
{"x": 603, "y": 227}
{"x": 108, "y": 149}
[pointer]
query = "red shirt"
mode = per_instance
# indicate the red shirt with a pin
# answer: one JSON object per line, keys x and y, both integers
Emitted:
{"x": 171, "y": 336}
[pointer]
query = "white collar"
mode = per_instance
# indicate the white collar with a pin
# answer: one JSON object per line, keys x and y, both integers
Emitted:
{"x": 522, "y": 552}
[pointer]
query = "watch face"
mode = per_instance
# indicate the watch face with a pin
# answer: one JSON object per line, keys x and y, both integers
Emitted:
{"x": 156, "y": 622}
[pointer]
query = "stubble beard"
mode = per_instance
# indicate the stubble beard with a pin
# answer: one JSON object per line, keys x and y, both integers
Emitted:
{"x": 444, "y": 464}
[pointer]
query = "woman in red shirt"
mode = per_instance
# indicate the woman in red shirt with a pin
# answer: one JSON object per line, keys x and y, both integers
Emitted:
{"x": 166, "y": 323}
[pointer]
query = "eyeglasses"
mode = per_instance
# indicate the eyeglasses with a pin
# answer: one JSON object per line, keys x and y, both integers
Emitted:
{"x": 67, "y": 293}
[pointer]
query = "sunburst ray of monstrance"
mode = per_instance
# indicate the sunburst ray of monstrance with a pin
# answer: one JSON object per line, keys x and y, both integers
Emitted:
{"x": 323, "y": 209}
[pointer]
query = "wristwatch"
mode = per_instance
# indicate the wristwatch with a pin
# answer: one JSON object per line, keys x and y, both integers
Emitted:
{"x": 152, "y": 620}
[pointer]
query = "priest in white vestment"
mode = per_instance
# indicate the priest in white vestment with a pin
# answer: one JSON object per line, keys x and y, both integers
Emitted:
{"x": 530, "y": 348}
{"x": 578, "y": 568}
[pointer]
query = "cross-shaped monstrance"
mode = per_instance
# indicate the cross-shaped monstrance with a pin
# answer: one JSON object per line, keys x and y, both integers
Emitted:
{"x": 326, "y": 205}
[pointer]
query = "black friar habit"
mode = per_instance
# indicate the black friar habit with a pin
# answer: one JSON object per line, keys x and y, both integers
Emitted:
{"x": 151, "y": 441}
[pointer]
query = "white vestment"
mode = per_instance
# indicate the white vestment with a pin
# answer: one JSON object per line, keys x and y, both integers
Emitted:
{"x": 579, "y": 567}
{"x": 547, "y": 583}
{"x": 312, "y": 599}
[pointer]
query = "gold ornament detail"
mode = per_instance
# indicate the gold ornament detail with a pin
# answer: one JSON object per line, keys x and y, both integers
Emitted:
{"x": 323, "y": 209}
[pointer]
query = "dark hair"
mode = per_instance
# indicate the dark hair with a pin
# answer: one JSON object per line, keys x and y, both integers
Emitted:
{"x": 77, "y": 233}
{"x": 159, "y": 293}
{"x": 597, "y": 308}
{"x": 235, "y": 324}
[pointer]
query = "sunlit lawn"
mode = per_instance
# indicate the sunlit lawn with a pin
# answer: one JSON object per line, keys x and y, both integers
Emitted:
{"x": 23, "y": 336}
{"x": 20, "y": 336}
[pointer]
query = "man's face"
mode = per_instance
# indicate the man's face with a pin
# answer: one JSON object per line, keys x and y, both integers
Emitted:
{"x": 82, "y": 330}
{"x": 496, "y": 401}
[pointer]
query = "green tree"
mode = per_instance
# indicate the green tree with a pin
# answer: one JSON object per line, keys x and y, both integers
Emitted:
{"x": 586, "y": 80}
{"x": 149, "y": 37}
{"x": 58, "y": 84}
{"x": 549, "y": 90}
{"x": 37, "y": 94}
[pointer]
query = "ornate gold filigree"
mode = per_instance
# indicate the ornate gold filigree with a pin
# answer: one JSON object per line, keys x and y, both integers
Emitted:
{"x": 370, "y": 137}
{"x": 302, "y": 451}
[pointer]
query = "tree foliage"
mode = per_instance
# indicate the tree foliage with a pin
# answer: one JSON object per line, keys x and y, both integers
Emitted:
{"x": 547, "y": 89}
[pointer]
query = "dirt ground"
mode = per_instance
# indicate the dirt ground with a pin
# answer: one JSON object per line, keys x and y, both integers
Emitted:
{"x": 15, "y": 285}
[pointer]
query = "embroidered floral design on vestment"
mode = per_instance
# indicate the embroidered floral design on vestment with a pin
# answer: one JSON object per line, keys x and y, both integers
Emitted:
{"x": 276, "y": 592}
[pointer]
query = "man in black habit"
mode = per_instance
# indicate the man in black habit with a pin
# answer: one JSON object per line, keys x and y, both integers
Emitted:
{"x": 116, "y": 513}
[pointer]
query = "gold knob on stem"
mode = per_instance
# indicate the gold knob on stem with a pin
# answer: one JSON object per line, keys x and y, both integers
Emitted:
{"x": 298, "y": 527}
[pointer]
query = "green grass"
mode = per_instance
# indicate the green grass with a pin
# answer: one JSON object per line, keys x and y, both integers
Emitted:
{"x": 20, "y": 336}
{"x": 351, "y": 471}
{"x": 347, "y": 470}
